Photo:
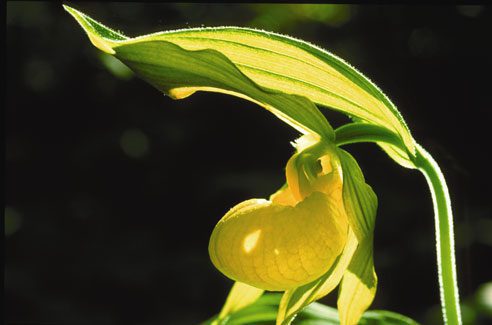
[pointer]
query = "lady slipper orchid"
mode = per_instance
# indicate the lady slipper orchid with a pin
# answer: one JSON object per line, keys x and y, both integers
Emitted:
{"x": 316, "y": 232}
{"x": 289, "y": 240}
{"x": 295, "y": 239}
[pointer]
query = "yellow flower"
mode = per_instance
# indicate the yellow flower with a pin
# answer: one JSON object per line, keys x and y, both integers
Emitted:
{"x": 305, "y": 238}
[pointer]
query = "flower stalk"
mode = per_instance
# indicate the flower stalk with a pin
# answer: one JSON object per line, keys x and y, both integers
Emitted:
{"x": 443, "y": 214}
{"x": 443, "y": 218}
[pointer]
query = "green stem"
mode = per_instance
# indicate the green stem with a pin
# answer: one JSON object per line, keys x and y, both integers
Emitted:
{"x": 443, "y": 216}
{"x": 446, "y": 264}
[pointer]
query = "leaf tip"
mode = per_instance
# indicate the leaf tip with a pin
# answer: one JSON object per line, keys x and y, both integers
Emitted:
{"x": 97, "y": 40}
{"x": 101, "y": 44}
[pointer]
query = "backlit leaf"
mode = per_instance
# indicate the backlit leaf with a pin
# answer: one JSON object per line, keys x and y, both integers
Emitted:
{"x": 271, "y": 62}
{"x": 240, "y": 296}
{"x": 263, "y": 311}
{"x": 180, "y": 72}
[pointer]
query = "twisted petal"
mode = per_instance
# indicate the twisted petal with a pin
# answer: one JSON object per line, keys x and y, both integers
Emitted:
{"x": 278, "y": 247}
{"x": 358, "y": 286}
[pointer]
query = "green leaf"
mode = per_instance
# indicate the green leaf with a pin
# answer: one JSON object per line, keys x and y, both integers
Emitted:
{"x": 247, "y": 63}
{"x": 240, "y": 296}
{"x": 386, "y": 317}
{"x": 263, "y": 311}
{"x": 179, "y": 73}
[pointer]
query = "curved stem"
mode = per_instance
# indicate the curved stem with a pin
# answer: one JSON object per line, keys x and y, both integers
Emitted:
{"x": 443, "y": 216}
{"x": 446, "y": 264}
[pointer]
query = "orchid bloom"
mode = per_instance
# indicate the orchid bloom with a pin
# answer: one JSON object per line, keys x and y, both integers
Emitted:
{"x": 306, "y": 238}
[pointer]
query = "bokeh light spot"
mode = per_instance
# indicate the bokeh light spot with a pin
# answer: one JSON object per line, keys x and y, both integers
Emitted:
{"x": 134, "y": 143}
{"x": 422, "y": 42}
{"x": 13, "y": 220}
{"x": 484, "y": 297}
{"x": 483, "y": 231}
{"x": 283, "y": 17}
{"x": 39, "y": 75}
{"x": 470, "y": 10}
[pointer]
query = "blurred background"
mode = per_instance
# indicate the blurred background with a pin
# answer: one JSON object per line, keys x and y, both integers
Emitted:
{"x": 112, "y": 189}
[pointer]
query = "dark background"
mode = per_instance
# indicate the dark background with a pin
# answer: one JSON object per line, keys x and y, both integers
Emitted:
{"x": 112, "y": 189}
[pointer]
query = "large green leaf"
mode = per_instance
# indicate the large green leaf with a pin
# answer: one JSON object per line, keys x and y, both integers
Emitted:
{"x": 179, "y": 72}
{"x": 219, "y": 59}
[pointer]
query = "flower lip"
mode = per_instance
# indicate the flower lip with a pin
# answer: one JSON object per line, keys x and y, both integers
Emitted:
{"x": 296, "y": 236}
{"x": 279, "y": 247}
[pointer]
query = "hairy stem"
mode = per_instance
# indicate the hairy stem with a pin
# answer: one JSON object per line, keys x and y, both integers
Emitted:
{"x": 443, "y": 215}
{"x": 446, "y": 264}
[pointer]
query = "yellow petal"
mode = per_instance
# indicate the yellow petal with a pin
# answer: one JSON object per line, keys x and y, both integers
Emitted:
{"x": 278, "y": 247}
{"x": 334, "y": 277}
{"x": 358, "y": 286}
{"x": 314, "y": 169}
{"x": 283, "y": 196}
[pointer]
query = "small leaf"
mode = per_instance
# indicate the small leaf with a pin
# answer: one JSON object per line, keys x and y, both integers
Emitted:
{"x": 263, "y": 311}
{"x": 386, "y": 317}
{"x": 240, "y": 296}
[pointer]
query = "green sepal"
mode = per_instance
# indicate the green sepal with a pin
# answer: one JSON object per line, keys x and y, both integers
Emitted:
{"x": 359, "y": 199}
{"x": 358, "y": 286}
